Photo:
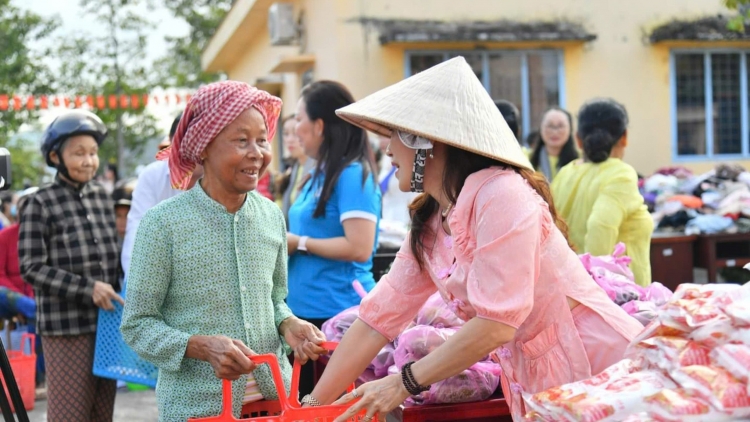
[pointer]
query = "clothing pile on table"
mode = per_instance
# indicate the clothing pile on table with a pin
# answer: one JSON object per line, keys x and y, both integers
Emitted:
{"x": 613, "y": 275}
{"x": 692, "y": 363}
{"x": 714, "y": 202}
{"x": 434, "y": 324}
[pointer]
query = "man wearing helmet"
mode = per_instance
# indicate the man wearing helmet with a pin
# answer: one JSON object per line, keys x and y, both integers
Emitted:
{"x": 68, "y": 252}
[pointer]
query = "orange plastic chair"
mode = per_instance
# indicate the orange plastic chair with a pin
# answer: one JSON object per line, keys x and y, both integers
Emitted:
{"x": 286, "y": 409}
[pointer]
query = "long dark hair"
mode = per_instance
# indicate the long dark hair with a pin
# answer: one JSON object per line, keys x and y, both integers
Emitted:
{"x": 568, "y": 152}
{"x": 601, "y": 124}
{"x": 343, "y": 143}
{"x": 462, "y": 164}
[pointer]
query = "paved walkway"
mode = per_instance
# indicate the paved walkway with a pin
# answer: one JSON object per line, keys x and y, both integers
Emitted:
{"x": 130, "y": 406}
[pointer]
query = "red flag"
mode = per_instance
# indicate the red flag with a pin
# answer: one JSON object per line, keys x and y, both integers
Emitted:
{"x": 112, "y": 102}
{"x": 3, "y": 102}
{"x": 30, "y": 103}
{"x": 178, "y": 98}
{"x": 188, "y": 97}
{"x": 66, "y": 100}
{"x": 145, "y": 100}
{"x": 90, "y": 101}
{"x": 100, "y": 101}
{"x": 78, "y": 101}
{"x": 123, "y": 101}
{"x": 43, "y": 102}
{"x": 135, "y": 101}
{"x": 16, "y": 102}
{"x": 56, "y": 101}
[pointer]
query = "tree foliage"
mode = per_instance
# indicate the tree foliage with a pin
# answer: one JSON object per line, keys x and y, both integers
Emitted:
{"x": 112, "y": 63}
{"x": 22, "y": 72}
{"x": 737, "y": 23}
{"x": 181, "y": 66}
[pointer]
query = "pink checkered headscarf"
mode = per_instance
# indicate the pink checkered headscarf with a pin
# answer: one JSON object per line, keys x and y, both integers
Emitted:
{"x": 207, "y": 113}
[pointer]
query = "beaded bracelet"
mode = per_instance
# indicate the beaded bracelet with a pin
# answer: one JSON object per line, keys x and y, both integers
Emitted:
{"x": 410, "y": 383}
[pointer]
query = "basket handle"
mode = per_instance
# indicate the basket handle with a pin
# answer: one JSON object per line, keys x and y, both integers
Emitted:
{"x": 273, "y": 363}
{"x": 294, "y": 393}
{"x": 32, "y": 344}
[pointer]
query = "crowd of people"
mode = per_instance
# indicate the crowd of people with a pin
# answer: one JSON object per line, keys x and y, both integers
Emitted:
{"x": 224, "y": 258}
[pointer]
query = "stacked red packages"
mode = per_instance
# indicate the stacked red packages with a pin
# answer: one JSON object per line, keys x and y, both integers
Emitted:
{"x": 692, "y": 363}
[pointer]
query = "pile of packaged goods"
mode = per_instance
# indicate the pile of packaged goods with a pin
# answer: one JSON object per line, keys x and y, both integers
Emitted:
{"x": 613, "y": 275}
{"x": 434, "y": 324}
{"x": 691, "y": 363}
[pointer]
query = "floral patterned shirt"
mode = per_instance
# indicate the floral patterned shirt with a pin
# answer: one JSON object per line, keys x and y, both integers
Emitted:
{"x": 199, "y": 270}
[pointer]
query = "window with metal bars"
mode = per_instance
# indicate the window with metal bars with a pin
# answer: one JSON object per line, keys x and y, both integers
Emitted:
{"x": 533, "y": 80}
{"x": 709, "y": 104}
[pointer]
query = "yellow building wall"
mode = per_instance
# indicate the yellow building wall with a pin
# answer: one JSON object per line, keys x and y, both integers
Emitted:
{"x": 621, "y": 63}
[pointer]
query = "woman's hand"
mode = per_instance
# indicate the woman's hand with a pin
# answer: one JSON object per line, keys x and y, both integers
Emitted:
{"x": 104, "y": 294}
{"x": 377, "y": 397}
{"x": 304, "y": 338}
{"x": 228, "y": 357}
{"x": 292, "y": 243}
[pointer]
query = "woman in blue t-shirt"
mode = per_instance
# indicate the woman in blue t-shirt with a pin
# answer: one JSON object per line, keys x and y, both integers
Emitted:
{"x": 333, "y": 223}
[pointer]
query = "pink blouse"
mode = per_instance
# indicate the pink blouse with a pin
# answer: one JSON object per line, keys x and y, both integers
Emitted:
{"x": 506, "y": 261}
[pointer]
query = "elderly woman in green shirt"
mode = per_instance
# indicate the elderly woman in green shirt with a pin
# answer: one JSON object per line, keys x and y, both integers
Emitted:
{"x": 208, "y": 278}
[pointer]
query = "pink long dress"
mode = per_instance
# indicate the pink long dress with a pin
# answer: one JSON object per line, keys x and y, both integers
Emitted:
{"x": 506, "y": 261}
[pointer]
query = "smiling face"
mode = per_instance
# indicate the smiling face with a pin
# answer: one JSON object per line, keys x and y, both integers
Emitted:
{"x": 402, "y": 157}
{"x": 239, "y": 155}
{"x": 555, "y": 129}
{"x": 81, "y": 157}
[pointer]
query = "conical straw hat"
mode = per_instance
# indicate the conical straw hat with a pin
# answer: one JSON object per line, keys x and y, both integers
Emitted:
{"x": 445, "y": 103}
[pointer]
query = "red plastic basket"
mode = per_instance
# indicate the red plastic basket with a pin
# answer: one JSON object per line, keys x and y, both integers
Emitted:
{"x": 286, "y": 409}
{"x": 24, "y": 370}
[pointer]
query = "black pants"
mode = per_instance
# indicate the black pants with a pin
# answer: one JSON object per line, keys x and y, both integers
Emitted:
{"x": 307, "y": 373}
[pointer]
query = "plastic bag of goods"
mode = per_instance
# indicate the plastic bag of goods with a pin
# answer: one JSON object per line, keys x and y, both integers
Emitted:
{"x": 383, "y": 361}
{"x": 419, "y": 341}
{"x": 716, "y": 386}
{"x": 644, "y": 312}
{"x": 477, "y": 383}
{"x": 677, "y": 405}
{"x": 335, "y": 328}
{"x": 612, "y": 395}
{"x": 436, "y": 313}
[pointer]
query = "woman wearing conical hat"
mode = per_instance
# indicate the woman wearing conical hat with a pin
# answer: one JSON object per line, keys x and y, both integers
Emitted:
{"x": 486, "y": 236}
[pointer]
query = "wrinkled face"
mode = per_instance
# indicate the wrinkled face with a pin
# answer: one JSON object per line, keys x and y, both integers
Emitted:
{"x": 555, "y": 128}
{"x": 291, "y": 141}
{"x": 81, "y": 157}
{"x": 310, "y": 133}
{"x": 239, "y": 155}
{"x": 402, "y": 157}
{"x": 121, "y": 220}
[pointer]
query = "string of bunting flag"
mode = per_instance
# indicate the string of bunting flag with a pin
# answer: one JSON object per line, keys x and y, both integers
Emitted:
{"x": 121, "y": 102}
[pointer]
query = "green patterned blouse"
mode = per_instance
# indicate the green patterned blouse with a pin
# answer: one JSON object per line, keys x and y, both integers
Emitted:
{"x": 199, "y": 270}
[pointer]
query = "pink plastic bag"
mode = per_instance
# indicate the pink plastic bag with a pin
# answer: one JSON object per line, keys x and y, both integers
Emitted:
{"x": 477, "y": 383}
{"x": 617, "y": 263}
{"x": 335, "y": 328}
{"x": 436, "y": 313}
{"x": 383, "y": 361}
{"x": 644, "y": 312}
{"x": 417, "y": 342}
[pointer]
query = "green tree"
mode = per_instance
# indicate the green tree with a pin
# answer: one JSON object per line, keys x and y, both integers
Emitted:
{"x": 22, "y": 72}
{"x": 181, "y": 66}
{"x": 113, "y": 63}
{"x": 737, "y": 23}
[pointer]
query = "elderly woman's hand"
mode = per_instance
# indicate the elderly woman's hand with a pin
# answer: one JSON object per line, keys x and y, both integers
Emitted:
{"x": 304, "y": 338}
{"x": 377, "y": 397}
{"x": 228, "y": 357}
{"x": 104, "y": 295}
